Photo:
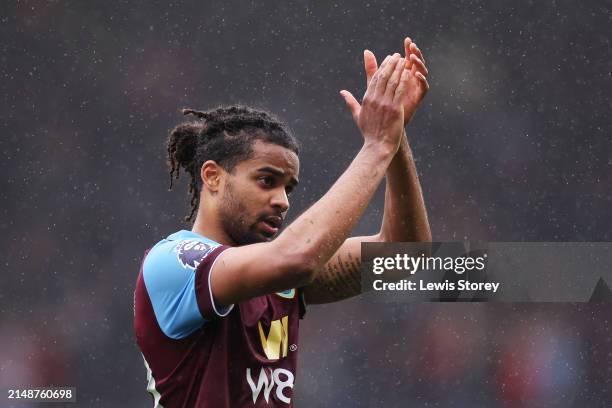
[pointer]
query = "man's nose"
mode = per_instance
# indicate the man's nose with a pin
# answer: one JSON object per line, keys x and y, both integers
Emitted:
{"x": 280, "y": 200}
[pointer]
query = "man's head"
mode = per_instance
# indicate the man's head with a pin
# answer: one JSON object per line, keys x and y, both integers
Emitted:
{"x": 243, "y": 163}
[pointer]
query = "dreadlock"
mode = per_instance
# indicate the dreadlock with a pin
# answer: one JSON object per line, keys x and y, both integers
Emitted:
{"x": 225, "y": 135}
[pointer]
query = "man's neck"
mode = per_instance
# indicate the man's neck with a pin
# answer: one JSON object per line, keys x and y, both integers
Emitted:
{"x": 210, "y": 229}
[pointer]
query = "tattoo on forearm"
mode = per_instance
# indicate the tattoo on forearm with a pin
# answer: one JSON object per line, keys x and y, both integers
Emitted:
{"x": 341, "y": 278}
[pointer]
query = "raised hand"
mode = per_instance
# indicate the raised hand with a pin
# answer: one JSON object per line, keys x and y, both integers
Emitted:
{"x": 416, "y": 87}
{"x": 417, "y": 81}
{"x": 381, "y": 117}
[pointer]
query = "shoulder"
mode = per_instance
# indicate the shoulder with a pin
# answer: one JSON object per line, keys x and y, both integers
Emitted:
{"x": 171, "y": 264}
{"x": 182, "y": 250}
{"x": 171, "y": 272}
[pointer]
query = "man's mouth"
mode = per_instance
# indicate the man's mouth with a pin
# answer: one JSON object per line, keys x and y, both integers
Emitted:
{"x": 271, "y": 224}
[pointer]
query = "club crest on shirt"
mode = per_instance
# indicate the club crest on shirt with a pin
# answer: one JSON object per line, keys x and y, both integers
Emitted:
{"x": 190, "y": 253}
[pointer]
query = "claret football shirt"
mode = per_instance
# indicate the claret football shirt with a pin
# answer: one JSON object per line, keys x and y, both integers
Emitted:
{"x": 202, "y": 354}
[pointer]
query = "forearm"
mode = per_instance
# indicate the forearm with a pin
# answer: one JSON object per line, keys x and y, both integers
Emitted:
{"x": 405, "y": 215}
{"x": 404, "y": 219}
{"x": 340, "y": 277}
{"x": 320, "y": 231}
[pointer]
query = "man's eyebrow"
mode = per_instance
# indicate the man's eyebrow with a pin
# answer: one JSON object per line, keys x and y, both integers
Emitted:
{"x": 277, "y": 172}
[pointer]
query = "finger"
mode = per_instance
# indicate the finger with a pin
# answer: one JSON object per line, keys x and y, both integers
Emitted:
{"x": 423, "y": 82}
{"x": 370, "y": 64}
{"x": 384, "y": 73}
{"x": 351, "y": 103}
{"x": 419, "y": 65}
{"x": 394, "y": 78}
{"x": 401, "y": 87}
{"x": 372, "y": 85}
{"x": 407, "y": 42}
{"x": 414, "y": 49}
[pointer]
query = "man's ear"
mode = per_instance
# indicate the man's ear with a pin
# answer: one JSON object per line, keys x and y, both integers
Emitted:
{"x": 212, "y": 175}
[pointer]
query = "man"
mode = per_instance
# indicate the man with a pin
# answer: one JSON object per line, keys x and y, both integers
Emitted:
{"x": 217, "y": 308}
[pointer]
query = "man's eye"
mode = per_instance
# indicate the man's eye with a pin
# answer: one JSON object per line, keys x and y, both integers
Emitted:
{"x": 289, "y": 190}
{"x": 266, "y": 181}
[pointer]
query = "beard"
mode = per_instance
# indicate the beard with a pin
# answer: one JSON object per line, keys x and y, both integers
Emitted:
{"x": 234, "y": 218}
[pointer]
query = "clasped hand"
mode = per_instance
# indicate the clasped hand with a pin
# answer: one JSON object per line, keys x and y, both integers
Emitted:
{"x": 394, "y": 91}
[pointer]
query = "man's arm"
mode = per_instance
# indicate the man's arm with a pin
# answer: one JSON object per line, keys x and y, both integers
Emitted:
{"x": 295, "y": 256}
{"x": 405, "y": 215}
{"x": 404, "y": 220}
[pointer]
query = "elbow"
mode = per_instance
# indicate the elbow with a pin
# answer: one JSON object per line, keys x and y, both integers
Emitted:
{"x": 304, "y": 267}
{"x": 422, "y": 234}
{"x": 422, "y": 237}
{"x": 299, "y": 265}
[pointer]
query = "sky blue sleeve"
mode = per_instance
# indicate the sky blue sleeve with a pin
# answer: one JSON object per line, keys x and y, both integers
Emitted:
{"x": 169, "y": 273}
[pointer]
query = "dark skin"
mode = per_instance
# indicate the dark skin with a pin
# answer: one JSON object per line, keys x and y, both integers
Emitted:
{"x": 260, "y": 187}
{"x": 254, "y": 196}
{"x": 405, "y": 216}
{"x": 244, "y": 206}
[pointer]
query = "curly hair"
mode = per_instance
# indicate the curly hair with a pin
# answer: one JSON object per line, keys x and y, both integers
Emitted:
{"x": 224, "y": 135}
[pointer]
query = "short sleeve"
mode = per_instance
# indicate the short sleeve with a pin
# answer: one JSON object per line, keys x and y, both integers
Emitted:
{"x": 176, "y": 274}
{"x": 206, "y": 302}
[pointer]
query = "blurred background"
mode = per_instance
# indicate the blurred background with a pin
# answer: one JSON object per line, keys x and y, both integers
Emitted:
{"x": 512, "y": 143}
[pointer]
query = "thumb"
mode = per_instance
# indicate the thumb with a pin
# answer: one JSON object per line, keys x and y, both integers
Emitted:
{"x": 352, "y": 104}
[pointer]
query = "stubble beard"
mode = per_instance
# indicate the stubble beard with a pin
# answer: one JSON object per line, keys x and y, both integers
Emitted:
{"x": 234, "y": 220}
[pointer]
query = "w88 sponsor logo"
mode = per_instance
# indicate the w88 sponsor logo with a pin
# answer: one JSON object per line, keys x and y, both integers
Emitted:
{"x": 267, "y": 383}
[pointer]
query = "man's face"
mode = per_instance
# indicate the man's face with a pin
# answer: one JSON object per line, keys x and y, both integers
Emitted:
{"x": 255, "y": 194}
